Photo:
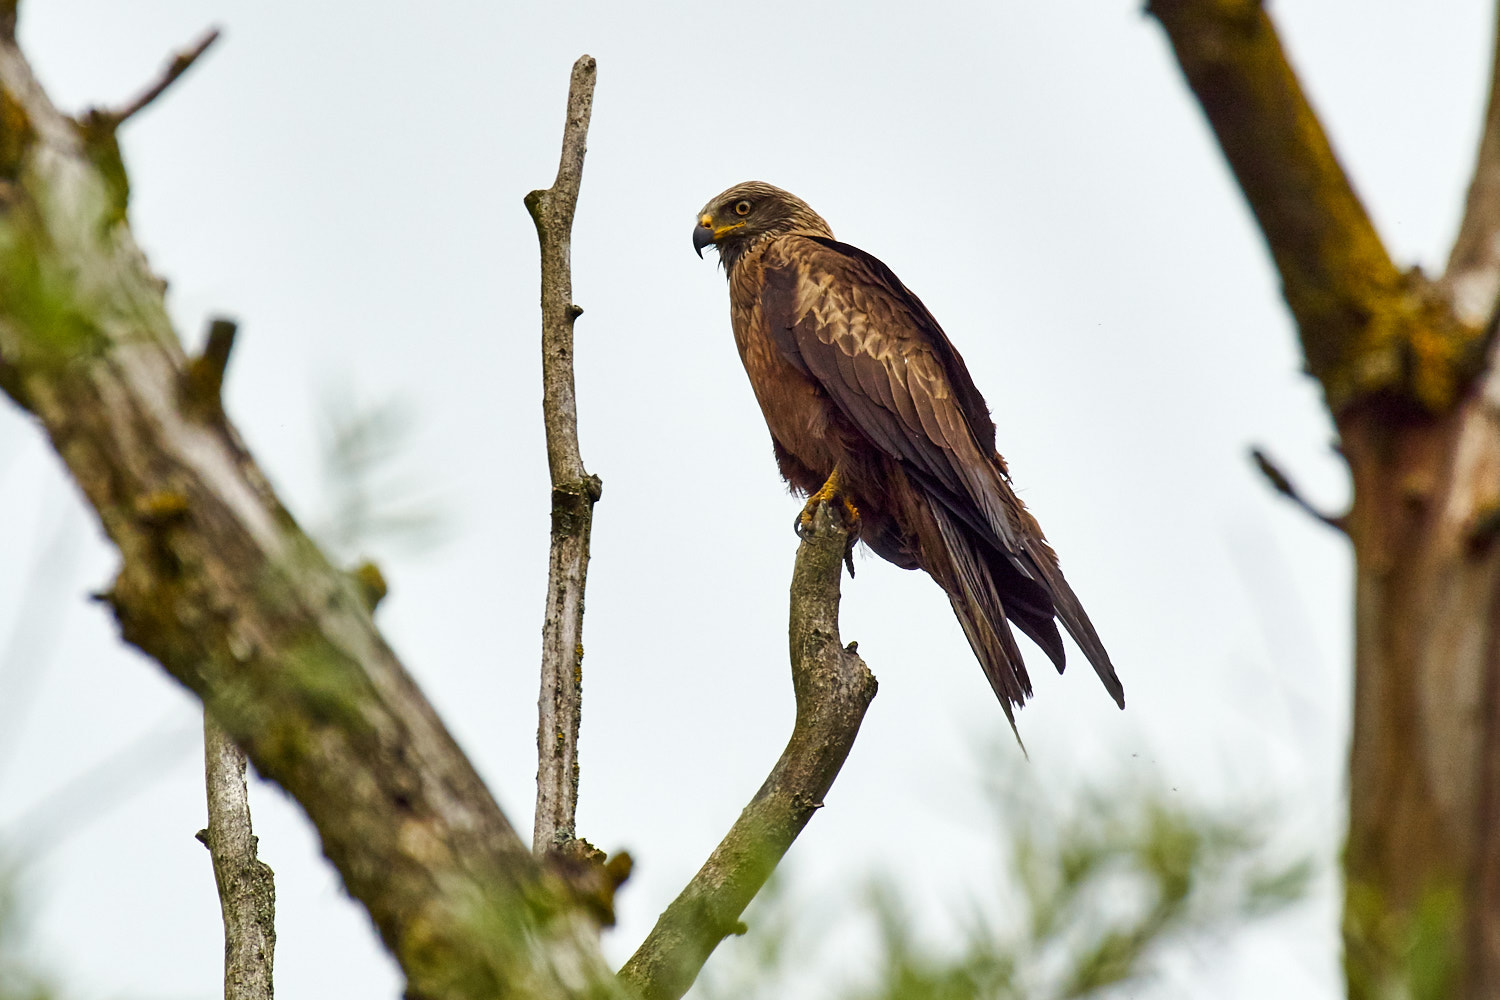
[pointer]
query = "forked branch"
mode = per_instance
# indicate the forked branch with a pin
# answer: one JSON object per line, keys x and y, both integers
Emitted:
{"x": 1283, "y": 484}
{"x": 179, "y": 64}
{"x": 1473, "y": 275}
{"x": 574, "y": 491}
{"x": 221, "y": 586}
{"x": 834, "y": 689}
{"x": 1366, "y": 328}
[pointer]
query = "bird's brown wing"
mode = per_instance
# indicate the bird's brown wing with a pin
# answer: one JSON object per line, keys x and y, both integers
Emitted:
{"x": 845, "y": 319}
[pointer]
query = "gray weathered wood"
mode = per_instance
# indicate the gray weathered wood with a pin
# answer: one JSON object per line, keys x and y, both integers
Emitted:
{"x": 833, "y": 689}
{"x": 247, "y": 886}
{"x": 219, "y": 584}
{"x": 574, "y": 491}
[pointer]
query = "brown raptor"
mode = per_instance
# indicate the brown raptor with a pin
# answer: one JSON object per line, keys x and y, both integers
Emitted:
{"x": 870, "y": 406}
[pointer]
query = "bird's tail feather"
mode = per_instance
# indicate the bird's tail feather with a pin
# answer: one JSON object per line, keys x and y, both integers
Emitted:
{"x": 1076, "y": 620}
{"x": 976, "y": 602}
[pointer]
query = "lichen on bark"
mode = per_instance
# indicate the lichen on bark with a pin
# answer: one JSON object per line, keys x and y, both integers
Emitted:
{"x": 219, "y": 584}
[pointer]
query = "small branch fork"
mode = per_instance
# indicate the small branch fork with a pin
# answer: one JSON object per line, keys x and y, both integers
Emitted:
{"x": 834, "y": 689}
{"x": 1284, "y": 485}
{"x": 247, "y": 887}
{"x": 1409, "y": 371}
{"x": 574, "y": 491}
{"x": 178, "y": 65}
{"x": 219, "y": 584}
{"x": 1368, "y": 330}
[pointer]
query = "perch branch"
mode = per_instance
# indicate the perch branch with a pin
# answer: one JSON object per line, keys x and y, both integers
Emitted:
{"x": 247, "y": 887}
{"x": 1366, "y": 328}
{"x": 574, "y": 491}
{"x": 219, "y": 584}
{"x": 1284, "y": 485}
{"x": 179, "y": 64}
{"x": 833, "y": 688}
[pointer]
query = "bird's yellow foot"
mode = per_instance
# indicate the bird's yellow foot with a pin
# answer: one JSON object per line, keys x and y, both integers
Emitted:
{"x": 832, "y": 495}
{"x": 842, "y": 508}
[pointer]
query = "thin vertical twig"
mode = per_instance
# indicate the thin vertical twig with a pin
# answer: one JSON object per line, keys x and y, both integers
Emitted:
{"x": 574, "y": 491}
{"x": 222, "y": 587}
{"x": 247, "y": 887}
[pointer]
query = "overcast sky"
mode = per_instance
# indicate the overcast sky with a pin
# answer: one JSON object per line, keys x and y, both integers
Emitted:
{"x": 346, "y": 181}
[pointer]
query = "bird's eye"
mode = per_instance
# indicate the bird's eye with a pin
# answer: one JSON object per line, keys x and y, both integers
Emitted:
{"x": 742, "y": 208}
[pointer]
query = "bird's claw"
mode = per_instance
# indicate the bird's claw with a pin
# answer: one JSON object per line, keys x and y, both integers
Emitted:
{"x": 843, "y": 511}
{"x": 846, "y": 513}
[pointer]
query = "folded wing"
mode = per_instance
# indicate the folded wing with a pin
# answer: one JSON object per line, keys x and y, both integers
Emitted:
{"x": 842, "y": 317}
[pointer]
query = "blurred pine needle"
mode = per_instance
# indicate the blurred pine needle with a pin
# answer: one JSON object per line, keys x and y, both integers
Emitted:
{"x": 1099, "y": 887}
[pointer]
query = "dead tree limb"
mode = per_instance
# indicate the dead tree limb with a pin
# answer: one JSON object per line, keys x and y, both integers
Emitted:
{"x": 1367, "y": 329}
{"x": 247, "y": 886}
{"x": 179, "y": 64}
{"x": 219, "y": 584}
{"x": 1472, "y": 278}
{"x": 574, "y": 491}
{"x": 1403, "y": 363}
{"x": 834, "y": 689}
{"x": 1283, "y": 484}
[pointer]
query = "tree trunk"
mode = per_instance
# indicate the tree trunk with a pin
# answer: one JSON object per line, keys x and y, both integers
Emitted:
{"x": 1423, "y": 865}
{"x": 1408, "y": 372}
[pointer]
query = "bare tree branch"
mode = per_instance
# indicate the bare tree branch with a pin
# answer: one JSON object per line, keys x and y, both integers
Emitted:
{"x": 574, "y": 491}
{"x": 1284, "y": 485}
{"x": 247, "y": 886}
{"x": 1367, "y": 329}
{"x": 221, "y": 586}
{"x": 833, "y": 688}
{"x": 1473, "y": 275}
{"x": 179, "y": 64}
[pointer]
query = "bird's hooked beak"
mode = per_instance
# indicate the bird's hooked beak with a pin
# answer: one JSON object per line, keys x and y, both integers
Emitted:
{"x": 705, "y": 232}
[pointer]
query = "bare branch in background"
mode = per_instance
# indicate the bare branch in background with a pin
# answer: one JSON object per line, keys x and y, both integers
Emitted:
{"x": 1284, "y": 485}
{"x": 247, "y": 887}
{"x": 37, "y": 622}
{"x": 834, "y": 688}
{"x": 90, "y": 796}
{"x": 220, "y": 585}
{"x": 574, "y": 491}
{"x": 1402, "y": 360}
{"x": 1473, "y": 275}
{"x": 1367, "y": 329}
{"x": 370, "y": 498}
{"x": 179, "y": 64}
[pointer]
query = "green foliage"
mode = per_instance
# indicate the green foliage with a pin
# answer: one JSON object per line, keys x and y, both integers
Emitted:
{"x": 367, "y": 499}
{"x": 19, "y": 979}
{"x": 1093, "y": 895}
{"x": 1390, "y": 953}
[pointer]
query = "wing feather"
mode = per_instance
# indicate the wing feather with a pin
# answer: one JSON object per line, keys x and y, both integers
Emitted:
{"x": 840, "y": 315}
{"x": 873, "y": 380}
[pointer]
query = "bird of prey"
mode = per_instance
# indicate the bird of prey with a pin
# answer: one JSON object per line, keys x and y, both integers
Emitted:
{"x": 872, "y": 409}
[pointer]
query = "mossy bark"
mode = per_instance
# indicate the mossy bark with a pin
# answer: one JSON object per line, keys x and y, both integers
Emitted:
{"x": 218, "y": 583}
{"x": 834, "y": 689}
{"x": 1407, "y": 371}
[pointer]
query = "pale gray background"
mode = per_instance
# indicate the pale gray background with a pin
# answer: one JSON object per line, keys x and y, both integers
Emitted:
{"x": 347, "y": 182}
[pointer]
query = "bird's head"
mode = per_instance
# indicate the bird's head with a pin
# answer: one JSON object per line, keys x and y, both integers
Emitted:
{"x": 747, "y": 213}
